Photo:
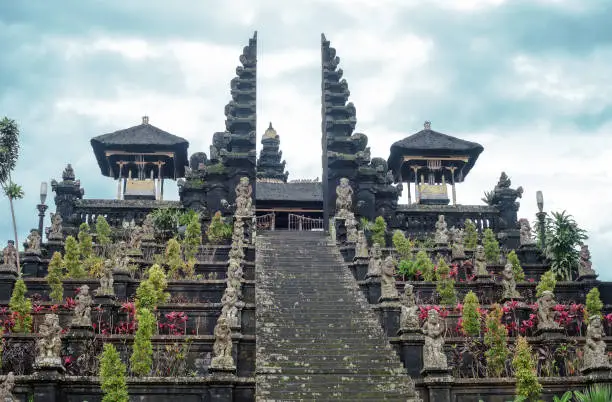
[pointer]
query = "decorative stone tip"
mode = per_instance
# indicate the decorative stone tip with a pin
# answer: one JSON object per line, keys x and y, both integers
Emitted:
{"x": 270, "y": 126}
{"x": 427, "y": 125}
{"x": 145, "y": 119}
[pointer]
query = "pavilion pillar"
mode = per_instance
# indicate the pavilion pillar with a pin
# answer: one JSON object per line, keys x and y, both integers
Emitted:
{"x": 452, "y": 170}
{"x": 119, "y": 180}
{"x": 408, "y": 182}
{"x": 415, "y": 169}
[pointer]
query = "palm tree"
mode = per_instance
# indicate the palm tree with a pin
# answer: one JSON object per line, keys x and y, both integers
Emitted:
{"x": 563, "y": 236}
{"x": 9, "y": 152}
{"x": 488, "y": 197}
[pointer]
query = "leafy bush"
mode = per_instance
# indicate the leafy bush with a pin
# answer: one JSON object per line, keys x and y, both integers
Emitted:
{"x": 21, "y": 307}
{"x": 218, "y": 230}
{"x": 470, "y": 315}
{"x": 424, "y": 264}
{"x": 112, "y": 376}
{"x": 72, "y": 259}
{"x": 491, "y": 246}
{"x": 593, "y": 304}
{"x": 165, "y": 219}
{"x": 407, "y": 268}
{"x": 55, "y": 273}
{"x": 402, "y": 245}
{"x": 563, "y": 238}
{"x": 496, "y": 339}
{"x": 378, "y": 231}
{"x": 519, "y": 274}
{"x": 596, "y": 393}
{"x": 85, "y": 241}
{"x": 142, "y": 351}
{"x": 152, "y": 290}
{"x": 103, "y": 231}
{"x": 524, "y": 364}
{"x": 446, "y": 285}
{"x": 193, "y": 237}
{"x": 547, "y": 282}
{"x": 470, "y": 236}
{"x": 188, "y": 216}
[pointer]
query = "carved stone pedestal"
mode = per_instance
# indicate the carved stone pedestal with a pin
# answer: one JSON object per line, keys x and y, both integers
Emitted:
{"x": 550, "y": 335}
{"x": 411, "y": 351}
{"x": 49, "y": 367}
{"x": 372, "y": 287}
{"x": 121, "y": 280}
{"x": 222, "y": 384}
{"x": 54, "y": 245}
{"x": 8, "y": 277}
{"x": 438, "y": 382}
{"x": 340, "y": 230}
{"x": 45, "y": 386}
{"x": 360, "y": 268}
{"x": 598, "y": 375}
{"x": 32, "y": 265}
{"x": 529, "y": 254}
{"x": 484, "y": 279}
{"x": 519, "y": 299}
{"x": 389, "y": 315}
{"x": 81, "y": 330}
{"x": 443, "y": 251}
{"x": 587, "y": 277}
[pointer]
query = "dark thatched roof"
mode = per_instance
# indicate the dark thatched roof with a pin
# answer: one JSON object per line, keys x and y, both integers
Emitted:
{"x": 303, "y": 192}
{"x": 143, "y": 138}
{"x": 430, "y": 143}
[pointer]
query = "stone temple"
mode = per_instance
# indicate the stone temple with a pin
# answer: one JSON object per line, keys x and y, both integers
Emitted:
{"x": 373, "y": 284}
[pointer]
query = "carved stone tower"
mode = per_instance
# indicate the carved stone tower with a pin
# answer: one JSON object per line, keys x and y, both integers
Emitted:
{"x": 269, "y": 165}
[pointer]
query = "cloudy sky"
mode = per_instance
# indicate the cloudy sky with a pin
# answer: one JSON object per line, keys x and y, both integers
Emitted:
{"x": 531, "y": 80}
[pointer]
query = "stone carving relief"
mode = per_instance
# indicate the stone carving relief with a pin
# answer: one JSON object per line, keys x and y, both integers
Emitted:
{"x": 546, "y": 311}
{"x": 595, "y": 355}
{"x": 388, "y": 291}
{"x": 361, "y": 248}
{"x": 526, "y": 238}
{"x": 409, "y": 317}
{"x": 82, "y": 309}
{"x": 244, "y": 202}
{"x": 49, "y": 345}
{"x": 9, "y": 255}
{"x": 375, "y": 263}
{"x": 441, "y": 236}
{"x": 33, "y": 243}
{"x": 222, "y": 348}
{"x": 509, "y": 283}
{"x": 344, "y": 199}
{"x": 433, "y": 351}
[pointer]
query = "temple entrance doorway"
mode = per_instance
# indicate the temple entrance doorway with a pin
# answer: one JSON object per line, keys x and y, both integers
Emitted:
{"x": 290, "y": 219}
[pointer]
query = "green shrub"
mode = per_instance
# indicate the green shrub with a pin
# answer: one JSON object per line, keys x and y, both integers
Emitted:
{"x": 193, "y": 237}
{"x": 172, "y": 258}
{"x": 142, "y": 351}
{"x": 55, "y": 274}
{"x": 470, "y": 235}
{"x": 85, "y": 242}
{"x": 218, "y": 231}
{"x": 424, "y": 264}
{"x": 21, "y": 307}
{"x": 547, "y": 282}
{"x": 594, "y": 305}
{"x": 563, "y": 238}
{"x": 524, "y": 365}
{"x": 496, "y": 339}
{"x": 72, "y": 259}
{"x": 407, "y": 268}
{"x": 165, "y": 219}
{"x": 103, "y": 231}
{"x": 519, "y": 274}
{"x": 152, "y": 290}
{"x": 491, "y": 247}
{"x": 378, "y": 231}
{"x": 402, "y": 245}
{"x": 446, "y": 285}
{"x": 595, "y": 393}
{"x": 112, "y": 376}
{"x": 471, "y": 314}
{"x": 187, "y": 217}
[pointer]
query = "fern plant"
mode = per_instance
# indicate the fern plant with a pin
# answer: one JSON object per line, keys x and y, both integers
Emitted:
{"x": 596, "y": 393}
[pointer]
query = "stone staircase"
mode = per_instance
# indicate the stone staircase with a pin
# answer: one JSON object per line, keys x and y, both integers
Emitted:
{"x": 317, "y": 338}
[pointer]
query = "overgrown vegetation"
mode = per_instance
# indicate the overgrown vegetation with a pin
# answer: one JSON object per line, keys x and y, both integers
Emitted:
{"x": 112, "y": 376}
{"x": 142, "y": 351}
{"x": 496, "y": 339}
{"x": 491, "y": 246}
{"x": 152, "y": 290}
{"x": 72, "y": 259}
{"x": 378, "y": 231}
{"x": 524, "y": 364}
{"x": 218, "y": 231}
{"x": 470, "y": 235}
{"x": 563, "y": 239}
{"x": 519, "y": 274}
{"x": 445, "y": 284}
{"x": 547, "y": 283}
{"x": 470, "y": 315}
{"x": 425, "y": 265}
{"x": 55, "y": 275}
{"x": 593, "y": 305}
{"x": 21, "y": 307}
{"x": 193, "y": 236}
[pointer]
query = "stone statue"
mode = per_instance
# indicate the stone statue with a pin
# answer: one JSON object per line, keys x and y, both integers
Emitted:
{"x": 135, "y": 238}
{"x": 229, "y": 310}
{"x": 409, "y": 318}
{"x": 148, "y": 228}
{"x": 595, "y": 355}
{"x": 106, "y": 280}
{"x": 56, "y": 231}
{"x": 388, "y": 291}
{"x": 480, "y": 261}
{"x": 222, "y": 348}
{"x": 361, "y": 248}
{"x": 234, "y": 276}
{"x": 509, "y": 283}
{"x": 6, "y": 389}
{"x": 49, "y": 345}
{"x": 526, "y": 238}
{"x": 33, "y": 243}
{"x": 433, "y": 351}
{"x": 351, "y": 228}
{"x": 375, "y": 263}
{"x": 10, "y": 255}
{"x": 457, "y": 248}
{"x": 546, "y": 311}
{"x": 586, "y": 267}
{"x": 344, "y": 199}
{"x": 82, "y": 309}
{"x": 244, "y": 201}
{"x": 441, "y": 236}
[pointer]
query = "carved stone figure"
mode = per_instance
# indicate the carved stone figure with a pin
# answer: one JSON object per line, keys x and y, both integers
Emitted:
{"x": 509, "y": 283}
{"x": 457, "y": 248}
{"x": 10, "y": 255}
{"x": 33, "y": 243}
{"x": 148, "y": 228}
{"x": 409, "y": 318}
{"x": 222, "y": 348}
{"x": 526, "y": 238}
{"x": 480, "y": 261}
{"x": 351, "y": 228}
{"x": 234, "y": 276}
{"x": 388, "y": 291}
{"x": 135, "y": 238}
{"x": 361, "y": 248}
{"x": 6, "y": 389}
{"x": 586, "y": 267}
{"x": 106, "y": 280}
{"x": 49, "y": 345}
{"x": 595, "y": 355}
{"x": 375, "y": 263}
{"x": 82, "y": 309}
{"x": 344, "y": 199}
{"x": 243, "y": 198}
{"x": 229, "y": 308}
{"x": 433, "y": 351}
{"x": 56, "y": 231}
{"x": 546, "y": 311}
{"x": 441, "y": 236}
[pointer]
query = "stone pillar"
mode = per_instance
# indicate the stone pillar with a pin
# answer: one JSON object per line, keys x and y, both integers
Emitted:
{"x": 389, "y": 315}
{"x": 54, "y": 245}
{"x": 359, "y": 268}
{"x": 32, "y": 265}
{"x": 8, "y": 277}
{"x": 411, "y": 351}
{"x": 438, "y": 383}
{"x": 45, "y": 388}
{"x": 372, "y": 286}
{"x": 121, "y": 281}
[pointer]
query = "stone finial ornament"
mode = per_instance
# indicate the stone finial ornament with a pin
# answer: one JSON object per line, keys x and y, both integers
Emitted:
{"x": 33, "y": 243}
{"x": 106, "y": 280}
{"x": 546, "y": 311}
{"x": 441, "y": 236}
{"x": 9, "y": 255}
{"x": 222, "y": 348}
{"x": 375, "y": 263}
{"x": 595, "y": 355}
{"x": 56, "y": 231}
{"x": 526, "y": 238}
{"x": 409, "y": 317}
{"x": 6, "y": 389}
{"x": 344, "y": 199}
{"x": 480, "y": 261}
{"x": 68, "y": 173}
{"x": 82, "y": 309}
{"x": 388, "y": 291}
{"x": 585, "y": 267}
{"x": 457, "y": 247}
{"x": 509, "y": 283}
{"x": 148, "y": 228}
{"x": 433, "y": 351}
{"x": 49, "y": 345}
{"x": 361, "y": 248}
{"x": 244, "y": 201}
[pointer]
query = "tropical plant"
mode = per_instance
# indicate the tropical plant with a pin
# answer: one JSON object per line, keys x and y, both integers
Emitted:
{"x": 424, "y": 264}
{"x": 524, "y": 365}
{"x": 103, "y": 231}
{"x": 142, "y": 351}
{"x": 407, "y": 268}
{"x": 218, "y": 230}
{"x": 9, "y": 153}
{"x": 547, "y": 283}
{"x": 152, "y": 290}
{"x": 165, "y": 219}
{"x": 72, "y": 259}
{"x": 55, "y": 274}
{"x": 445, "y": 284}
{"x": 112, "y": 376}
{"x": 563, "y": 238}
{"x": 512, "y": 258}
{"x": 21, "y": 307}
{"x": 470, "y": 315}
{"x": 378, "y": 231}
{"x": 596, "y": 393}
{"x": 173, "y": 259}
{"x": 593, "y": 305}
{"x": 567, "y": 397}
{"x": 85, "y": 241}
{"x": 491, "y": 246}
{"x": 470, "y": 235}
{"x": 188, "y": 216}
{"x": 402, "y": 245}
{"x": 496, "y": 339}
{"x": 193, "y": 237}
{"x": 488, "y": 197}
